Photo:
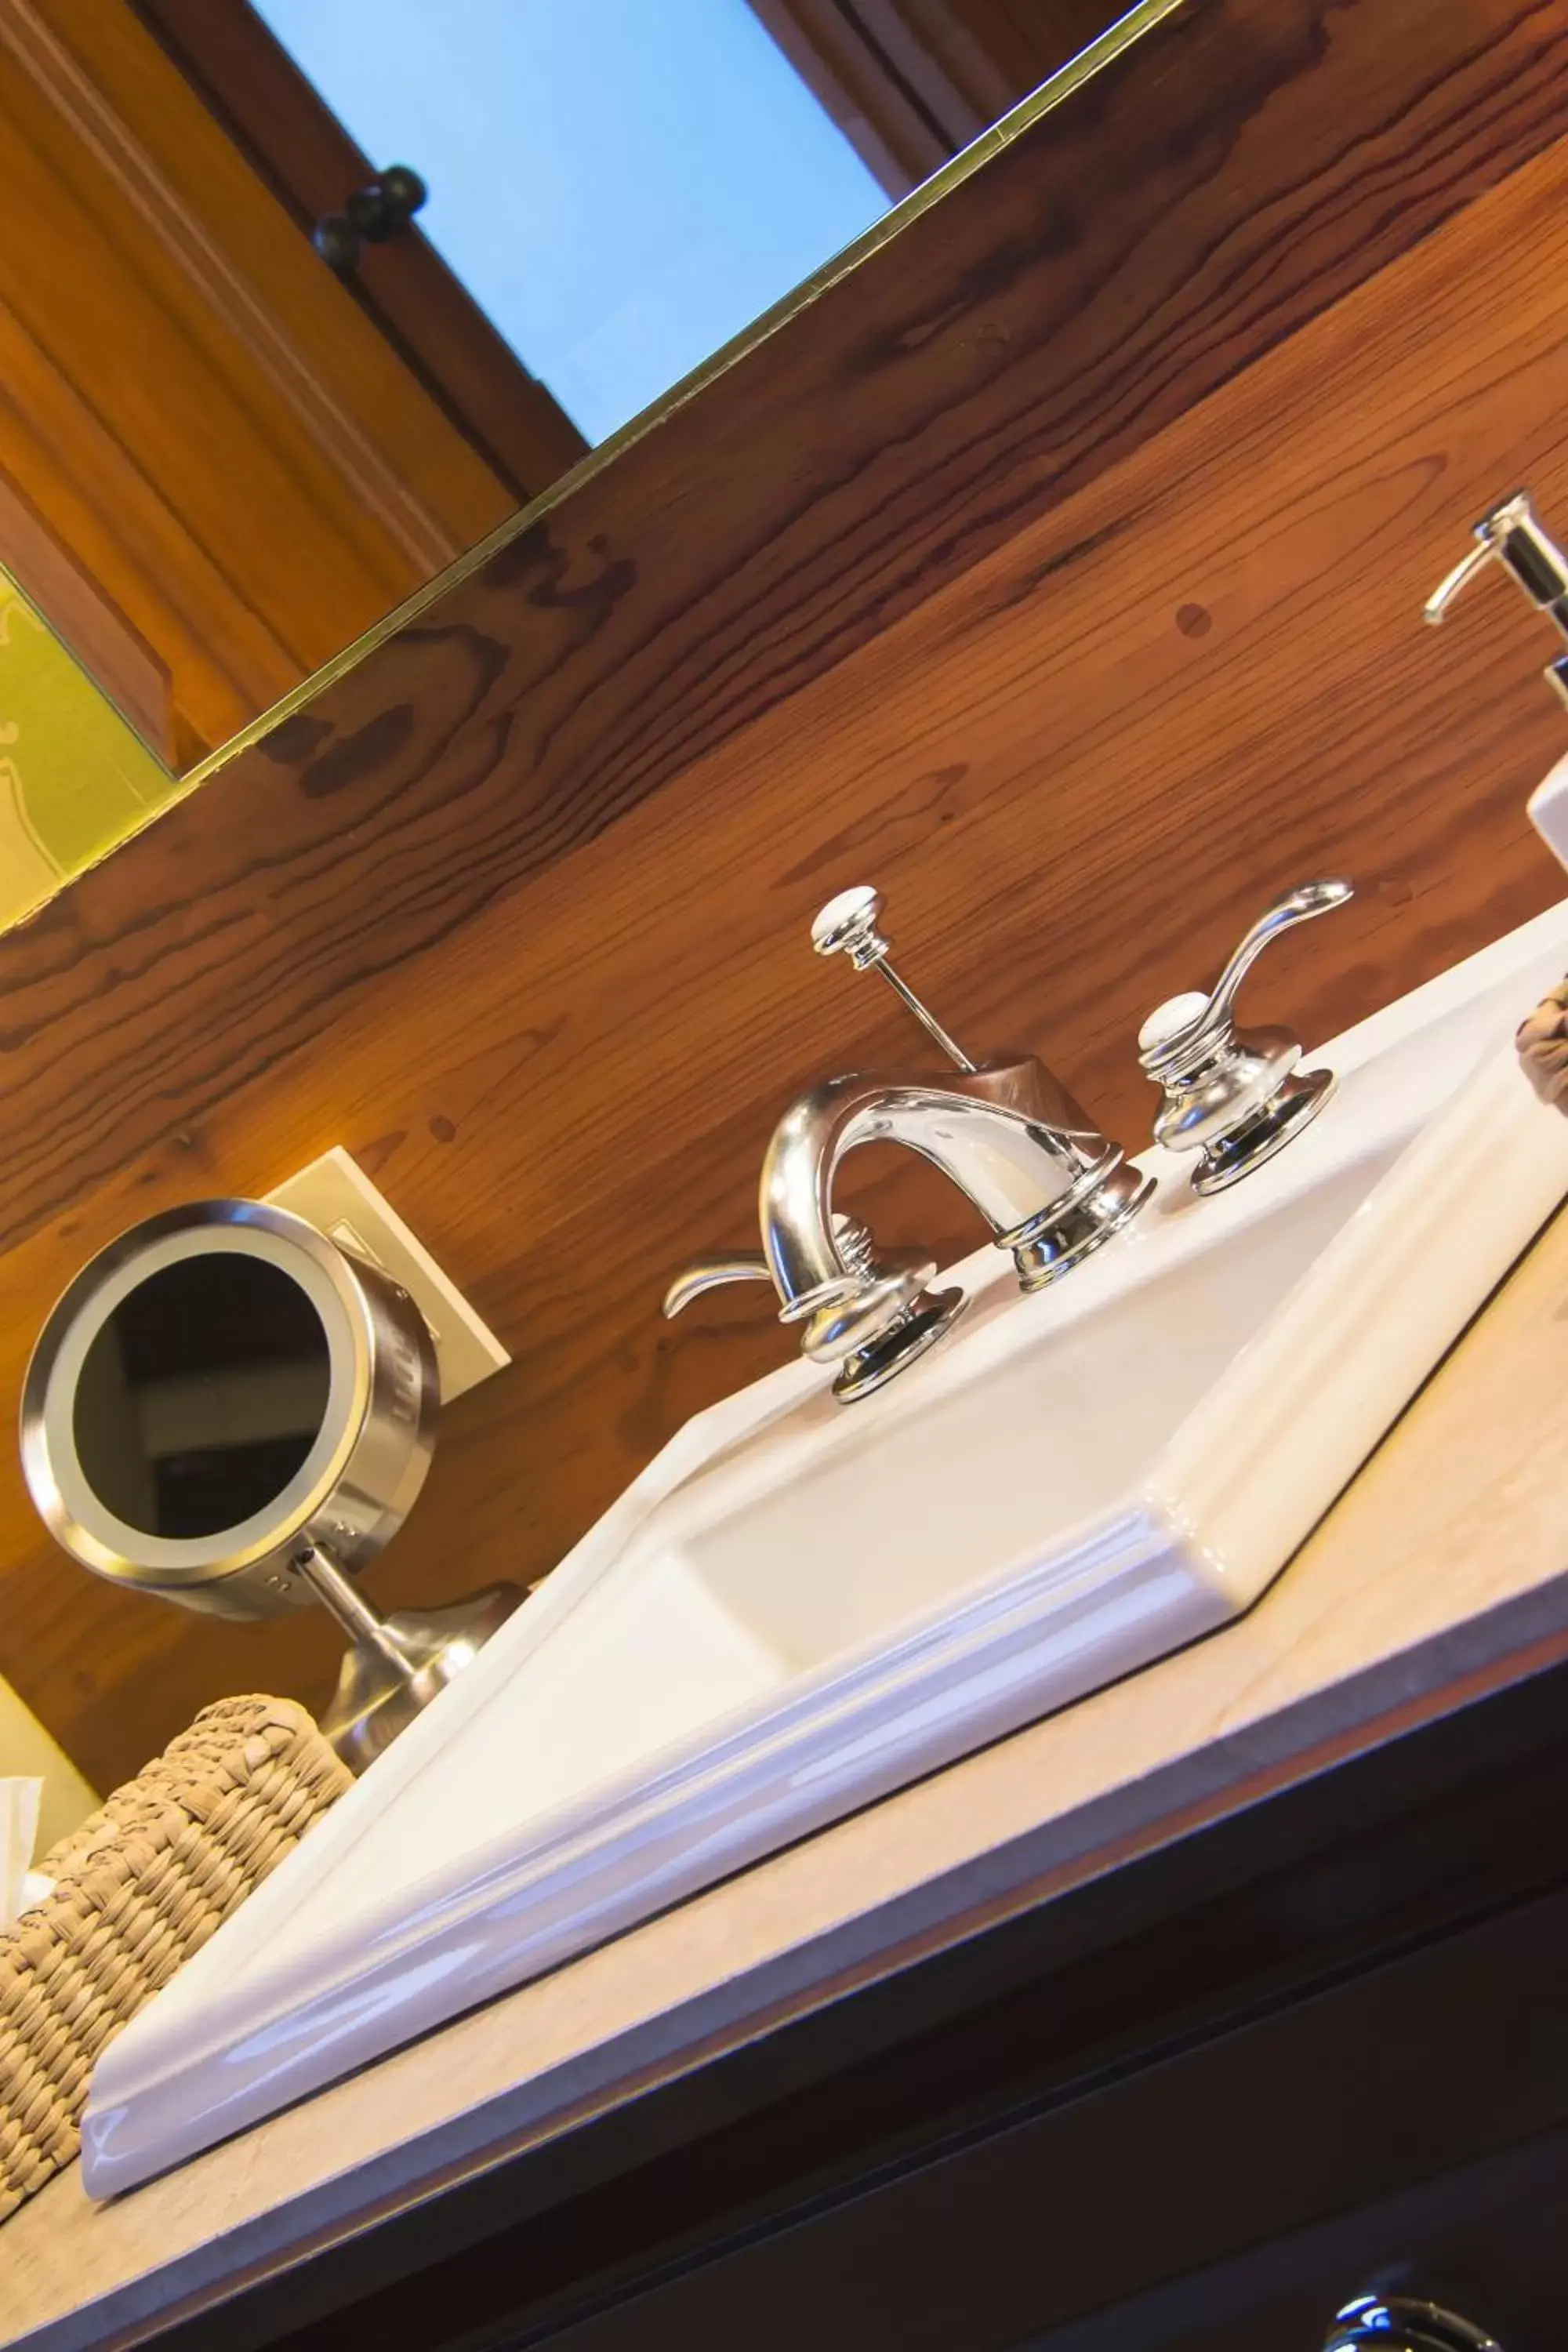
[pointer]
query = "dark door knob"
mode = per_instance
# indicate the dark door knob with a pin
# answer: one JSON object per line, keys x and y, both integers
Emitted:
{"x": 370, "y": 215}
{"x": 1376, "y": 2323}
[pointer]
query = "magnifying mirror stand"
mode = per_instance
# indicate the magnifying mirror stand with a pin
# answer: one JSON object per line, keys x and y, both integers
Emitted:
{"x": 225, "y": 1385}
{"x": 395, "y": 1664}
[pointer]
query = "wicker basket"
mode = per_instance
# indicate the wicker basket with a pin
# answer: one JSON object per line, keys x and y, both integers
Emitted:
{"x": 138, "y": 1888}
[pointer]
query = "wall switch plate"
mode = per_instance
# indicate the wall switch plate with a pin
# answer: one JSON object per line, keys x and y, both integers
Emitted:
{"x": 336, "y": 1196}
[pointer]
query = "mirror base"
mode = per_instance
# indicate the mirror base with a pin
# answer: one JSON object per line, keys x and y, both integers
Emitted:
{"x": 385, "y": 1682}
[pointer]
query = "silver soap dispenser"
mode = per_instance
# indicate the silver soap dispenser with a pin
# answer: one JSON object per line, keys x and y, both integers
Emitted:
{"x": 1510, "y": 536}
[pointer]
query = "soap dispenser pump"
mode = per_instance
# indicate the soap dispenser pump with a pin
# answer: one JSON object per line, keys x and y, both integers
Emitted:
{"x": 1509, "y": 535}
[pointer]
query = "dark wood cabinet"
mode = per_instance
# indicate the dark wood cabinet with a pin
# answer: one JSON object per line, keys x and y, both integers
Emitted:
{"x": 1318, "y": 2049}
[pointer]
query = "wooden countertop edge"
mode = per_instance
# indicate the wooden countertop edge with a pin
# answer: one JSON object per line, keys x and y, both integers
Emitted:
{"x": 1438, "y": 1578}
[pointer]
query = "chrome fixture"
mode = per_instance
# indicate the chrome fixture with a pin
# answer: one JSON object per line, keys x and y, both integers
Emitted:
{"x": 231, "y": 1410}
{"x": 1376, "y": 2323}
{"x": 1233, "y": 1095}
{"x": 1048, "y": 1184}
{"x": 1509, "y": 535}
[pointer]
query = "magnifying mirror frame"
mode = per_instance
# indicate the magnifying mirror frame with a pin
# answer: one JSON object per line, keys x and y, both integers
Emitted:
{"x": 361, "y": 1473}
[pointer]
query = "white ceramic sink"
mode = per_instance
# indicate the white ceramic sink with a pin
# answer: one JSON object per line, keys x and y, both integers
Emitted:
{"x": 799, "y": 1606}
{"x": 863, "y": 1525}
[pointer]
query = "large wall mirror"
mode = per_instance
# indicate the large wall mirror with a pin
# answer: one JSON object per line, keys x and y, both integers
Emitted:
{"x": 374, "y": 283}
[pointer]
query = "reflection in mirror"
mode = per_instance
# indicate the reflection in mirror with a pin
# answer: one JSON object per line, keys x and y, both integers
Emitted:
{"x": 623, "y": 188}
{"x": 201, "y": 1395}
{"x": 335, "y": 379}
{"x": 78, "y": 773}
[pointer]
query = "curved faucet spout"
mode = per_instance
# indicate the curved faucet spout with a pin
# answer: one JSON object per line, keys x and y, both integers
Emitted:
{"x": 1008, "y": 1133}
{"x": 1010, "y": 1139}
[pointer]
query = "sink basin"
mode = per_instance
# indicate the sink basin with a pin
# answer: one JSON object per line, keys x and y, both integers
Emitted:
{"x": 799, "y": 1607}
{"x": 1039, "y": 1456}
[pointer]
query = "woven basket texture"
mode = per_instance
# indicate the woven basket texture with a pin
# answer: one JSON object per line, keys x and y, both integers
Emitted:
{"x": 1543, "y": 1047}
{"x": 138, "y": 1888}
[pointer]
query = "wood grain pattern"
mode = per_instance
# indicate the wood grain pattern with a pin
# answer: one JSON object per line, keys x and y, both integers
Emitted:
{"x": 516, "y": 909}
{"x": 192, "y": 404}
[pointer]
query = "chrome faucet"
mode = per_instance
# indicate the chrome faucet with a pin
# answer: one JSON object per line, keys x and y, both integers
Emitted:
{"x": 1048, "y": 1184}
{"x": 1234, "y": 1096}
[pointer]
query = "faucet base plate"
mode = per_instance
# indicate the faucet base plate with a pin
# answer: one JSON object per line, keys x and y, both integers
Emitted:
{"x": 1294, "y": 1106}
{"x": 1049, "y": 1247}
{"x": 872, "y": 1367}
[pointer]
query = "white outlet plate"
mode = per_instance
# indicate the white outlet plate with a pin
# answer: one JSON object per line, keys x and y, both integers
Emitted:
{"x": 336, "y": 1196}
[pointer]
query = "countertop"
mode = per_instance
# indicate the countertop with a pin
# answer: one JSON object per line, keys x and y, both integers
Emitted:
{"x": 1440, "y": 1576}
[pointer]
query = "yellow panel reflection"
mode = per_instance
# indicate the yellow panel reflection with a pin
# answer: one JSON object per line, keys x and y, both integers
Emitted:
{"x": 75, "y": 778}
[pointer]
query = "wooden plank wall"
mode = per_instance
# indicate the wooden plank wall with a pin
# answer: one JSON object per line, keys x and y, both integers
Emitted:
{"x": 1060, "y": 571}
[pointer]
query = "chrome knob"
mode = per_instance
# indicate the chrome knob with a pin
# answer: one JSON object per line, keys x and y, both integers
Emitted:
{"x": 847, "y": 926}
{"x": 1395, "y": 2323}
{"x": 1233, "y": 1095}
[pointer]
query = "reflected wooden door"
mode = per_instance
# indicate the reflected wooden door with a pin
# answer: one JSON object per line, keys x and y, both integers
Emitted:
{"x": 196, "y": 416}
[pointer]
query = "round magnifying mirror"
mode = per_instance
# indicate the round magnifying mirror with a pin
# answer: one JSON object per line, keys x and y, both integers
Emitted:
{"x": 200, "y": 1398}
{"x": 228, "y": 1410}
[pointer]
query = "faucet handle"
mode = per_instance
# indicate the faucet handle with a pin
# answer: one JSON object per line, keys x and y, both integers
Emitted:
{"x": 1195, "y": 1013}
{"x": 706, "y": 1274}
{"x": 847, "y": 926}
{"x": 871, "y": 1321}
{"x": 1233, "y": 1095}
